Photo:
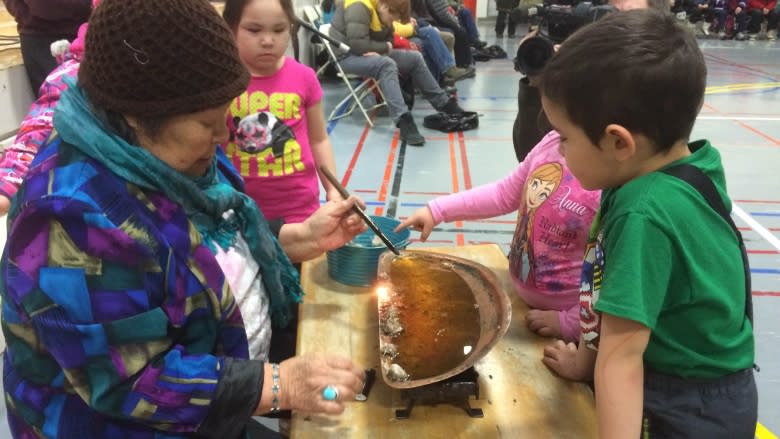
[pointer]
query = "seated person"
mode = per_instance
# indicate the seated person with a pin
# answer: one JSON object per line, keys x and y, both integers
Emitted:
{"x": 117, "y": 308}
{"x": 366, "y": 26}
{"x": 437, "y": 57}
{"x": 436, "y": 12}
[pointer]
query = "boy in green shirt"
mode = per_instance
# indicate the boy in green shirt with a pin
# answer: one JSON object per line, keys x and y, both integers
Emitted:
{"x": 664, "y": 271}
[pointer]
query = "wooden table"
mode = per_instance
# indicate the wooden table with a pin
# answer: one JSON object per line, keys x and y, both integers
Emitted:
{"x": 520, "y": 397}
{"x": 9, "y": 55}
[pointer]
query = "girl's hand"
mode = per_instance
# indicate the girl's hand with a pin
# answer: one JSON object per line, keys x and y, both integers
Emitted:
{"x": 422, "y": 220}
{"x": 414, "y": 46}
{"x": 543, "y": 322}
{"x": 371, "y": 54}
{"x": 389, "y": 47}
{"x": 562, "y": 358}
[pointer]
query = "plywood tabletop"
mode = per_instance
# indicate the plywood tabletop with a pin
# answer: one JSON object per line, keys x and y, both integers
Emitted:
{"x": 520, "y": 397}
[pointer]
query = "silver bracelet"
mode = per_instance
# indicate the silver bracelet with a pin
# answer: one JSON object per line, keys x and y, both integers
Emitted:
{"x": 275, "y": 387}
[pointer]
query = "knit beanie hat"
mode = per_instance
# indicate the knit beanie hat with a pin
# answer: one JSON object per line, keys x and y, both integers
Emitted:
{"x": 153, "y": 58}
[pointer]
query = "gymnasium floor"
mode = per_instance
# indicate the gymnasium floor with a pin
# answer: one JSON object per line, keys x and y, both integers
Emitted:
{"x": 741, "y": 116}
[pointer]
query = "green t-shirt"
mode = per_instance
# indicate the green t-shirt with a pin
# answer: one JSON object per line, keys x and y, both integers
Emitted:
{"x": 673, "y": 264}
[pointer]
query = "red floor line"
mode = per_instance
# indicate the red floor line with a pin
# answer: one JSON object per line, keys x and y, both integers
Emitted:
{"x": 388, "y": 172}
{"x": 758, "y": 201}
{"x": 762, "y": 252}
{"x": 742, "y": 66}
{"x": 749, "y": 229}
{"x": 497, "y": 139}
{"x": 759, "y": 132}
{"x": 766, "y": 293}
{"x": 464, "y": 161}
{"x": 356, "y": 154}
{"x": 433, "y": 241}
{"x": 747, "y": 127}
{"x": 365, "y": 191}
{"x": 459, "y": 239}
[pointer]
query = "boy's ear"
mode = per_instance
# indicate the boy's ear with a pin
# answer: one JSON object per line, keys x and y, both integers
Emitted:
{"x": 619, "y": 141}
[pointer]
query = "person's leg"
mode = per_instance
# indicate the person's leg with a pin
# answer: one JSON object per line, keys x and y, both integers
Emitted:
{"x": 37, "y": 57}
{"x": 511, "y": 26}
{"x": 384, "y": 69}
{"x": 410, "y": 63}
{"x": 741, "y": 21}
{"x": 467, "y": 21}
{"x": 435, "y": 51}
{"x": 462, "y": 48}
{"x": 502, "y": 15}
{"x": 771, "y": 24}
{"x": 754, "y": 25}
{"x": 448, "y": 38}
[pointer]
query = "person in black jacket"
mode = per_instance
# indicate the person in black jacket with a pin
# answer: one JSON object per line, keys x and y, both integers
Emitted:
{"x": 40, "y": 23}
{"x": 436, "y": 12}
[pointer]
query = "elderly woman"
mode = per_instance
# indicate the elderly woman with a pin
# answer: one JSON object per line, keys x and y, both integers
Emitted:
{"x": 129, "y": 239}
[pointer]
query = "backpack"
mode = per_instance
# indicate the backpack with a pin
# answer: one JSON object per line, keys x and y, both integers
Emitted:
{"x": 446, "y": 122}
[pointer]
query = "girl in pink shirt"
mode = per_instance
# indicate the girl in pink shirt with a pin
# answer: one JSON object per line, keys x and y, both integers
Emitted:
{"x": 554, "y": 215}
{"x": 278, "y": 137}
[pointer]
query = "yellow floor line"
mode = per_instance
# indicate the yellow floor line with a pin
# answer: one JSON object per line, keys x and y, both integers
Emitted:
{"x": 763, "y": 433}
{"x": 740, "y": 87}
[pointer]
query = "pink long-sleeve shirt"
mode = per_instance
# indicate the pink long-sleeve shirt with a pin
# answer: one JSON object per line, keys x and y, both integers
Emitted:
{"x": 554, "y": 215}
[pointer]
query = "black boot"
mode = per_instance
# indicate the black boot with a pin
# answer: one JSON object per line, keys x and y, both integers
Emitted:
{"x": 409, "y": 131}
{"x": 451, "y": 107}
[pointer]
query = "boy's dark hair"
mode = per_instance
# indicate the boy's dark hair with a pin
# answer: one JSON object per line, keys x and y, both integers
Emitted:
{"x": 637, "y": 68}
{"x": 234, "y": 9}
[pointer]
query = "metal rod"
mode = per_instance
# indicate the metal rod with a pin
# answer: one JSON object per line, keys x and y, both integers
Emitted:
{"x": 335, "y": 182}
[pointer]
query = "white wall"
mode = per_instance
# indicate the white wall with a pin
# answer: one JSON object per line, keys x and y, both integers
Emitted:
{"x": 15, "y": 99}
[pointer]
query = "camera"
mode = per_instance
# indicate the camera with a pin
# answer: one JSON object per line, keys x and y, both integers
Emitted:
{"x": 556, "y": 21}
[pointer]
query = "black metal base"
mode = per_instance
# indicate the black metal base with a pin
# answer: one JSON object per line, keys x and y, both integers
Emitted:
{"x": 455, "y": 390}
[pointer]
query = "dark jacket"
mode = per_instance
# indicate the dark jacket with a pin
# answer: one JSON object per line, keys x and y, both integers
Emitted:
{"x": 355, "y": 23}
{"x": 436, "y": 12}
{"x": 49, "y": 17}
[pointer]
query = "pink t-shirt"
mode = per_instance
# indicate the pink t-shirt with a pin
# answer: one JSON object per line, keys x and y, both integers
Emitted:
{"x": 269, "y": 141}
{"x": 554, "y": 216}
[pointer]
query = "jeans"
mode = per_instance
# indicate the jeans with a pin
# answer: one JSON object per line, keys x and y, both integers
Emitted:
{"x": 437, "y": 56}
{"x": 462, "y": 46}
{"x": 467, "y": 22}
{"x": 386, "y": 68}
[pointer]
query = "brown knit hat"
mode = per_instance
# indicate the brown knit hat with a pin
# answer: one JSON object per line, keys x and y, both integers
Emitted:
{"x": 160, "y": 58}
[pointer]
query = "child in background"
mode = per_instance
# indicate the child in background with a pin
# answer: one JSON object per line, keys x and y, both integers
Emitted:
{"x": 554, "y": 215}
{"x": 38, "y": 125}
{"x": 675, "y": 341}
{"x": 277, "y": 127}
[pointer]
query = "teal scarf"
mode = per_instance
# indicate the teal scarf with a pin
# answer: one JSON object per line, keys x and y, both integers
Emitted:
{"x": 204, "y": 198}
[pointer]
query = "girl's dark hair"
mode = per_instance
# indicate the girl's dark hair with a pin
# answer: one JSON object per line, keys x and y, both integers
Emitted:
{"x": 638, "y": 69}
{"x": 234, "y": 9}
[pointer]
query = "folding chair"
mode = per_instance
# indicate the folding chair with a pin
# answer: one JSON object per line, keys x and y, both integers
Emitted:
{"x": 311, "y": 17}
{"x": 367, "y": 87}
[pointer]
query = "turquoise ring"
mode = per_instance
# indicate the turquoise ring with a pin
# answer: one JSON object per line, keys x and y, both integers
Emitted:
{"x": 330, "y": 393}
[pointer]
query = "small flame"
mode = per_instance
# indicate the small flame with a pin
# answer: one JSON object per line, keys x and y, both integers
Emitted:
{"x": 381, "y": 293}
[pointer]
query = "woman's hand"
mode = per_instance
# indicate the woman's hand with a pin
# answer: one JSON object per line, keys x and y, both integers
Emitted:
{"x": 303, "y": 378}
{"x": 422, "y": 220}
{"x": 335, "y": 224}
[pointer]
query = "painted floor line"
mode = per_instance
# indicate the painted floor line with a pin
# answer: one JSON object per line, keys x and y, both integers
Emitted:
{"x": 755, "y": 225}
{"x": 763, "y": 433}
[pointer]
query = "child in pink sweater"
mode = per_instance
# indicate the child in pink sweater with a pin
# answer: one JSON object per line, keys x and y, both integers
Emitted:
{"x": 554, "y": 215}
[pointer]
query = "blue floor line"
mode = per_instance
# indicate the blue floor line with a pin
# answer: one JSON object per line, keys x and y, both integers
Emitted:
{"x": 765, "y": 270}
{"x": 765, "y": 213}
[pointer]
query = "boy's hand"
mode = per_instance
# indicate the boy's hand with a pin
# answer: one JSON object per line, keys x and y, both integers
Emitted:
{"x": 564, "y": 359}
{"x": 422, "y": 220}
{"x": 543, "y": 322}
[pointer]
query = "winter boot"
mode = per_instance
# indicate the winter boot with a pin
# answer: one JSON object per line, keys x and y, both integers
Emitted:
{"x": 409, "y": 132}
{"x": 451, "y": 107}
